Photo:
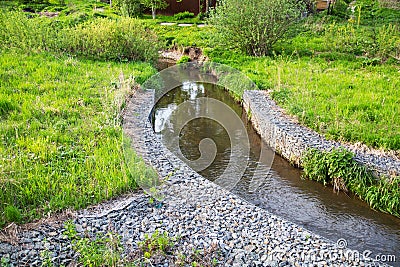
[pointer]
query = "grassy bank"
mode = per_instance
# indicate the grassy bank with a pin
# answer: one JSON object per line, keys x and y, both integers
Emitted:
{"x": 61, "y": 133}
{"x": 345, "y": 90}
{"x": 338, "y": 169}
{"x": 342, "y": 99}
{"x": 64, "y": 80}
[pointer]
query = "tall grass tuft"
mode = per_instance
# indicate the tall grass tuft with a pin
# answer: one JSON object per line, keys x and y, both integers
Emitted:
{"x": 100, "y": 38}
{"x": 338, "y": 169}
{"x": 125, "y": 38}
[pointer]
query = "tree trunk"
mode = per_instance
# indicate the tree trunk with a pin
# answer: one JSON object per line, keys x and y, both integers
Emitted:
{"x": 207, "y": 5}
{"x": 110, "y": 3}
{"x": 153, "y": 12}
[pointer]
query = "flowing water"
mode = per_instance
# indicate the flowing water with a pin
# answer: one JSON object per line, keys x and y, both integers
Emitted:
{"x": 281, "y": 189}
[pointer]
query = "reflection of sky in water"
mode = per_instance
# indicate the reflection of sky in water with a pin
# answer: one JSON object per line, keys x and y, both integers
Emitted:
{"x": 162, "y": 116}
{"x": 193, "y": 89}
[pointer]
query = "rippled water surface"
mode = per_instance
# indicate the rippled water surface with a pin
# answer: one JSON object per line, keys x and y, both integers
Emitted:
{"x": 279, "y": 190}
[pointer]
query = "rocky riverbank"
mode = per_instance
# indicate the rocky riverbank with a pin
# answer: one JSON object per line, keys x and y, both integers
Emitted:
{"x": 200, "y": 212}
{"x": 292, "y": 140}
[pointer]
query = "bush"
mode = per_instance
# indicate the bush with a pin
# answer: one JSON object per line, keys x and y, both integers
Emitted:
{"x": 129, "y": 8}
{"x": 20, "y": 32}
{"x": 123, "y": 39}
{"x": 340, "y": 9}
{"x": 183, "y": 15}
{"x": 253, "y": 26}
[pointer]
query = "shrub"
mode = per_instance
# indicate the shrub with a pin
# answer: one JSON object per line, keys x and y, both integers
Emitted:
{"x": 123, "y": 39}
{"x": 129, "y": 8}
{"x": 183, "y": 15}
{"x": 341, "y": 9}
{"x": 253, "y": 26}
{"x": 20, "y": 32}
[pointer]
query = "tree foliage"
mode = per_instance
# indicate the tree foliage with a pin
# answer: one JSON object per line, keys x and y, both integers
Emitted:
{"x": 129, "y": 8}
{"x": 253, "y": 26}
{"x": 154, "y": 5}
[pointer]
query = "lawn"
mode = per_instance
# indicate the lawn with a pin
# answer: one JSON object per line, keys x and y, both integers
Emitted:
{"x": 61, "y": 133}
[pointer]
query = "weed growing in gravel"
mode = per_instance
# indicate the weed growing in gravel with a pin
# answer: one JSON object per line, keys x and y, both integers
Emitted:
{"x": 158, "y": 242}
{"x": 207, "y": 257}
{"x": 156, "y": 248}
{"x": 46, "y": 256}
{"x": 5, "y": 262}
{"x": 102, "y": 250}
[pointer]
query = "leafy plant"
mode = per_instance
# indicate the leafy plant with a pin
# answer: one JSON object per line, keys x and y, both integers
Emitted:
{"x": 46, "y": 256}
{"x": 102, "y": 250}
{"x": 5, "y": 262}
{"x": 158, "y": 242}
{"x": 253, "y": 26}
{"x": 183, "y": 15}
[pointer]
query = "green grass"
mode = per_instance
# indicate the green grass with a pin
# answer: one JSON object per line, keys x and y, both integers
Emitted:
{"x": 179, "y": 37}
{"x": 344, "y": 100}
{"x": 60, "y": 125}
{"x": 346, "y": 92}
{"x": 61, "y": 133}
{"x": 338, "y": 169}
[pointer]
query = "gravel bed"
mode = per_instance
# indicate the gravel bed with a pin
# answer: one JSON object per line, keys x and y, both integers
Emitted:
{"x": 291, "y": 140}
{"x": 200, "y": 212}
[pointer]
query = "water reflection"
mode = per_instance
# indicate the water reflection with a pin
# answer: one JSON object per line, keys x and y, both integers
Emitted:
{"x": 280, "y": 190}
